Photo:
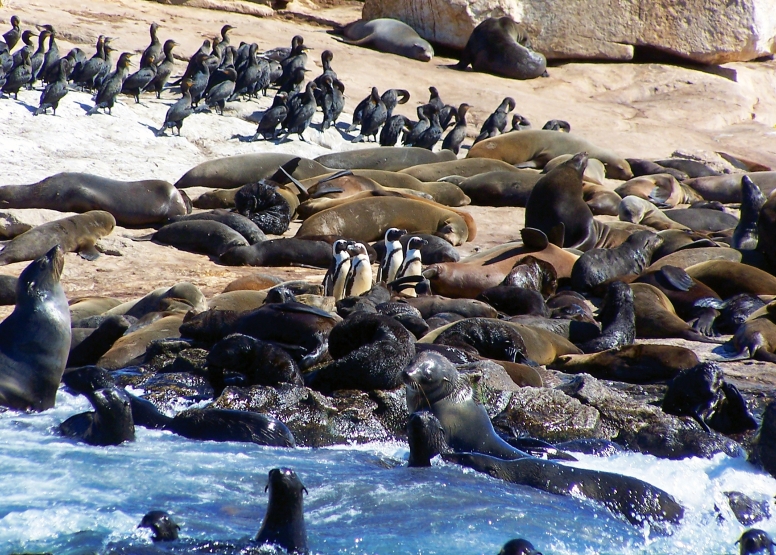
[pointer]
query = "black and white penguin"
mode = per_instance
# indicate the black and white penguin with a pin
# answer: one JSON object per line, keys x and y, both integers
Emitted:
{"x": 337, "y": 274}
{"x": 413, "y": 262}
{"x": 394, "y": 255}
{"x": 360, "y": 275}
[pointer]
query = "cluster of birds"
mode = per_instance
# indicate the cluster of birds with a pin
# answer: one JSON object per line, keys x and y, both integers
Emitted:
{"x": 350, "y": 272}
{"x": 219, "y": 72}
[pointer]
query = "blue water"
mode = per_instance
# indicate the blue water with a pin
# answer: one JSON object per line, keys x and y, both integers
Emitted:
{"x": 69, "y": 498}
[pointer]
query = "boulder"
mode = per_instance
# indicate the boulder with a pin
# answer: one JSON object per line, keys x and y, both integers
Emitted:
{"x": 710, "y": 32}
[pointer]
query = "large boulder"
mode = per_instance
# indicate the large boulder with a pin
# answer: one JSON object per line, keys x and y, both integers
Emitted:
{"x": 706, "y": 31}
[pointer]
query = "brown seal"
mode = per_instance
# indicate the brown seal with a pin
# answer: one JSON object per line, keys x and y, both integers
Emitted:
{"x": 557, "y": 208}
{"x": 386, "y": 158}
{"x": 235, "y": 171}
{"x": 465, "y": 167}
{"x": 368, "y": 219}
{"x": 661, "y": 189}
{"x": 637, "y": 210}
{"x": 388, "y": 35}
{"x": 132, "y": 203}
{"x": 689, "y": 257}
{"x": 540, "y": 146}
{"x": 656, "y": 317}
{"x": 74, "y": 234}
{"x": 728, "y": 278}
{"x": 727, "y": 188}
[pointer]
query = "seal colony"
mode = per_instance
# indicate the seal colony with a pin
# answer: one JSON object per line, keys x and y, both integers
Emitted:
{"x": 354, "y": 332}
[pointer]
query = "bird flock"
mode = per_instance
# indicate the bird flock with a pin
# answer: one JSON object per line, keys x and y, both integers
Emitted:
{"x": 219, "y": 73}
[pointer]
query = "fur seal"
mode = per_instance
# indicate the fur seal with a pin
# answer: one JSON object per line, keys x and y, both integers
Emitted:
{"x": 618, "y": 320}
{"x": 132, "y": 203}
{"x": 730, "y": 278}
{"x": 688, "y": 257}
{"x": 519, "y": 546}
{"x": 703, "y": 219}
{"x": 164, "y": 528}
{"x": 35, "y": 338}
{"x": 283, "y": 525}
{"x": 200, "y": 236}
{"x": 388, "y": 35}
{"x": 500, "y": 46}
{"x": 656, "y": 317}
{"x": 238, "y": 222}
{"x": 599, "y": 265}
{"x": 369, "y": 352}
{"x": 500, "y": 188}
{"x": 383, "y": 158}
{"x": 636, "y": 364}
{"x": 556, "y": 207}
{"x": 280, "y": 252}
{"x": 637, "y": 210}
{"x": 235, "y": 171}
{"x": 465, "y": 167}
{"x": 661, "y": 189}
{"x": 211, "y": 424}
{"x": 636, "y": 500}
{"x": 745, "y": 235}
{"x": 76, "y": 233}
{"x": 433, "y": 383}
{"x": 368, "y": 219}
{"x": 110, "y": 424}
{"x": 132, "y": 346}
{"x": 727, "y": 188}
{"x": 540, "y": 146}
{"x": 755, "y": 541}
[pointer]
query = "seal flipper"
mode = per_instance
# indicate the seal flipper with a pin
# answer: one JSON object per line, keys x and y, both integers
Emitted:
{"x": 677, "y": 278}
{"x": 89, "y": 252}
{"x": 534, "y": 239}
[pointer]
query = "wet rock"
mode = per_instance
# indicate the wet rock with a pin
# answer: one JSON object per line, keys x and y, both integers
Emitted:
{"x": 764, "y": 446}
{"x": 317, "y": 420}
{"x": 747, "y": 510}
{"x": 548, "y": 414}
{"x": 167, "y": 390}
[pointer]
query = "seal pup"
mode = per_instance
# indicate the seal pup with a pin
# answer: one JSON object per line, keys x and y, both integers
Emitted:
{"x": 110, "y": 424}
{"x": 618, "y": 320}
{"x": 432, "y": 382}
{"x": 745, "y": 236}
{"x": 337, "y": 274}
{"x": 35, "y": 338}
{"x": 359, "y": 278}
{"x": 394, "y": 255}
{"x": 283, "y": 524}
{"x": 164, "y": 528}
{"x": 500, "y": 46}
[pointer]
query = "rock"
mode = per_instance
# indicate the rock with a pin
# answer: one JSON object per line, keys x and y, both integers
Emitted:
{"x": 739, "y": 31}
{"x": 764, "y": 447}
{"x": 548, "y": 414}
{"x": 317, "y": 420}
{"x": 234, "y": 6}
{"x": 747, "y": 510}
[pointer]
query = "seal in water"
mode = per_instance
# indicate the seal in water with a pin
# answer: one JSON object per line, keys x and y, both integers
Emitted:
{"x": 35, "y": 338}
{"x": 283, "y": 524}
{"x": 110, "y": 424}
{"x": 165, "y": 529}
{"x": 432, "y": 382}
{"x": 755, "y": 541}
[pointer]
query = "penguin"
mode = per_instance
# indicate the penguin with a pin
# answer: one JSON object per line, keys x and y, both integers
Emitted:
{"x": 394, "y": 255}
{"x": 360, "y": 275}
{"x": 337, "y": 274}
{"x": 413, "y": 263}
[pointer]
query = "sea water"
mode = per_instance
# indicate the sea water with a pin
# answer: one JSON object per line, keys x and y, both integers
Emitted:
{"x": 66, "y": 498}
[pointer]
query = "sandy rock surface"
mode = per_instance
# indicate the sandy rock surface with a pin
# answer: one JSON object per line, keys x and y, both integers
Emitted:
{"x": 638, "y": 110}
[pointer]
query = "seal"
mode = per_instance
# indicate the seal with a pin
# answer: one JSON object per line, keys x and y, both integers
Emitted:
{"x": 433, "y": 383}
{"x": 637, "y": 210}
{"x": 164, "y": 528}
{"x": 211, "y": 424}
{"x": 639, "y": 502}
{"x": 283, "y": 524}
{"x": 500, "y": 46}
{"x": 132, "y": 346}
{"x": 685, "y": 258}
{"x": 280, "y": 252}
{"x": 539, "y": 146}
{"x": 369, "y": 352}
{"x": 388, "y": 35}
{"x": 235, "y": 171}
{"x": 500, "y": 188}
{"x": 728, "y": 278}
{"x": 110, "y": 424}
{"x": 519, "y": 546}
{"x": 618, "y": 320}
{"x": 557, "y": 208}
{"x": 596, "y": 266}
{"x": 35, "y": 338}
{"x": 661, "y": 189}
{"x": 465, "y": 167}
{"x": 656, "y": 317}
{"x": 238, "y": 222}
{"x": 703, "y": 219}
{"x": 200, "y": 236}
{"x": 727, "y": 188}
{"x": 382, "y": 158}
{"x": 635, "y": 364}
{"x": 369, "y": 219}
{"x": 77, "y": 233}
{"x": 755, "y": 541}
{"x": 745, "y": 235}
